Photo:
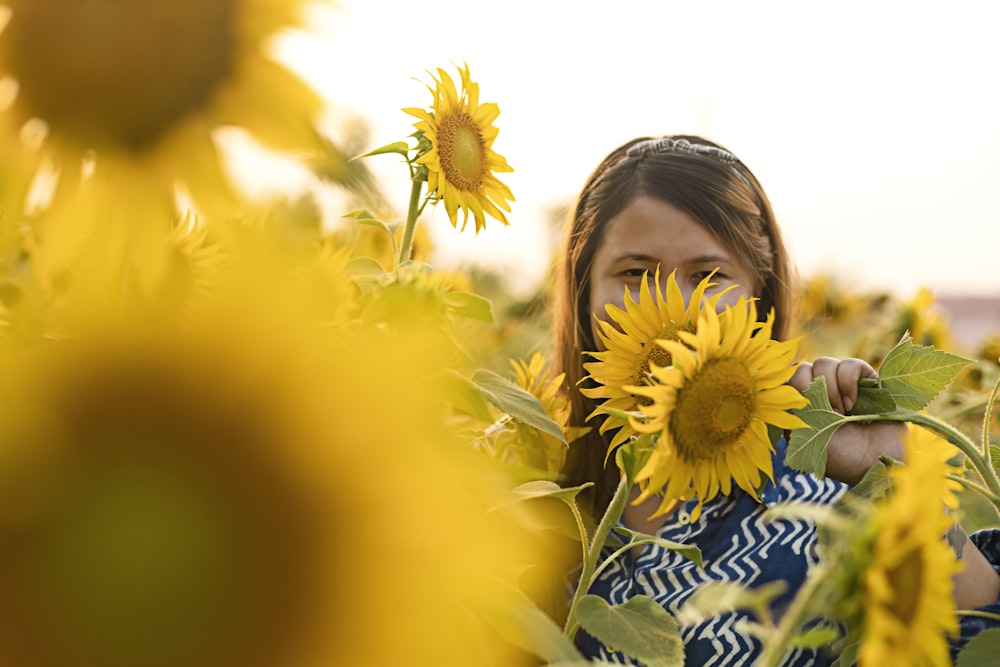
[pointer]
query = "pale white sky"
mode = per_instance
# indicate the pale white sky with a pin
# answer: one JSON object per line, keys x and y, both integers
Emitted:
{"x": 874, "y": 126}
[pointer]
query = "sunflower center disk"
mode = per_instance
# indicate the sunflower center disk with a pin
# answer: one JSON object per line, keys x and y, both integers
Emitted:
{"x": 713, "y": 410}
{"x": 651, "y": 354}
{"x": 137, "y": 561}
{"x": 461, "y": 150}
{"x": 906, "y": 581}
{"x": 117, "y": 73}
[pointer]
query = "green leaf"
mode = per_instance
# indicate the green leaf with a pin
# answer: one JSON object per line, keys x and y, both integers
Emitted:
{"x": 774, "y": 433}
{"x": 518, "y": 403}
{"x": 469, "y": 305}
{"x": 546, "y": 489}
{"x": 462, "y": 393}
{"x": 876, "y": 483}
{"x": 848, "y": 655}
{"x": 982, "y": 650}
{"x": 518, "y": 620}
{"x": 365, "y": 217}
{"x": 640, "y": 628}
{"x": 873, "y": 401}
{"x": 915, "y": 374}
{"x": 632, "y": 456}
{"x": 366, "y": 273}
{"x": 719, "y": 597}
{"x": 807, "y": 446}
{"x": 400, "y": 147}
{"x": 690, "y": 552}
{"x": 620, "y": 414}
{"x": 994, "y": 456}
{"x": 798, "y": 511}
{"x": 412, "y": 267}
{"x": 816, "y": 637}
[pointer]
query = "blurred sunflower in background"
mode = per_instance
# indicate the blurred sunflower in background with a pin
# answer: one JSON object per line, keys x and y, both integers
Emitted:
{"x": 923, "y": 319}
{"x": 630, "y": 348}
{"x": 536, "y": 448}
{"x": 710, "y": 408}
{"x": 123, "y": 99}
{"x": 829, "y": 314}
{"x": 459, "y": 157}
{"x": 920, "y": 315}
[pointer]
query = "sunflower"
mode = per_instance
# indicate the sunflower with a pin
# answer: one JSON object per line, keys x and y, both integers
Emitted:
{"x": 18, "y": 165}
{"x": 461, "y": 162}
{"x": 989, "y": 349}
{"x": 238, "y": 498}
{"x": 126, "y": 115}
{"x": 928, "y": 446}
{"x": 630, "y": 349}
{"x": 907, "y": 603}
{"x": 921, "y": 317}
{"x": 711, "y": 408}
{"x": 533, "y": 377}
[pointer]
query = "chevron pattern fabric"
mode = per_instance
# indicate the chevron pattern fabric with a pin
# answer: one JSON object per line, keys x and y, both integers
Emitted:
{"x": 736, "y": 546}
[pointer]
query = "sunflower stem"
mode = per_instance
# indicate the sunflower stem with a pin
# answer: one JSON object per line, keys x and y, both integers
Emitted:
{"x": 778, "y": 643}
{"x": 581, "y": 526}
{"x": 990, "y": 402}
{"x": 978, "y": 488}
{"x": 611, "y": 559}
{"x": 611, "y": 516}
{"x": 412, "y": 213}
{"x": 980, "y": 461}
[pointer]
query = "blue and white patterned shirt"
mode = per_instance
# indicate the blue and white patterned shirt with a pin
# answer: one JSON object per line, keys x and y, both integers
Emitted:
{"x": 737, "y": 546}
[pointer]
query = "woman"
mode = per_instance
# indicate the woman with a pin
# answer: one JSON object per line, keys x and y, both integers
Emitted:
{"x": 684, "y": 203}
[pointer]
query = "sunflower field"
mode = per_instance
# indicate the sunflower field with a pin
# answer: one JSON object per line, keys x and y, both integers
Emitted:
{"x": 233, "y": 433}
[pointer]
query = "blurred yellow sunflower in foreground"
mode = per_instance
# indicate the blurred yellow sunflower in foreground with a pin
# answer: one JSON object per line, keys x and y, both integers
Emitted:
{"x": 922, "y": 443}
{"x": 461, "y": 162}
{"x": 711, "y": 408}
{"x": 238, "y": 498}
{"x": 630, "y": 349}
{"x": 907, "y": 604}
{"x": 123, "y": 99}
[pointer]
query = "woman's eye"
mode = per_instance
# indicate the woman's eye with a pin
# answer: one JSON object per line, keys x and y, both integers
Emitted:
{"x": 632, "y": 273}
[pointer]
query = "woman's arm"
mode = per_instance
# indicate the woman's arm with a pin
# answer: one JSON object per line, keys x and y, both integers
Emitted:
{"x": 854, "y": 448}
{"x": 978, "y": 584}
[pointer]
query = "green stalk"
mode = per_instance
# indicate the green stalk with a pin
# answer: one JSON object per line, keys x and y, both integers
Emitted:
{"x": 986, "y": 423}
{"x": 611, "y": 516}
{"x": 978, "y": 488}
{"x": 412, "y": 213}
{"x": 580, "y": 526}
{"x": 777, "y": 644}
{"x": 960, "y": 440}
{"x": 982, "y": 465}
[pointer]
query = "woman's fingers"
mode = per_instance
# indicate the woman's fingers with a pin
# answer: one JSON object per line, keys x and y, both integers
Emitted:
{"x": 841, "y": 377}
{"x": 802, "y": 377}
{"x": 849, "y": 372}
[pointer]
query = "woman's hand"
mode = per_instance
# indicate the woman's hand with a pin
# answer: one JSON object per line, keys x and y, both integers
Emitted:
{"x": 855, "y": 447}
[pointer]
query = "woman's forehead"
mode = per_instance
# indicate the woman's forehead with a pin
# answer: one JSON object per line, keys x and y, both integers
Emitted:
{"x": 653, "y": 228}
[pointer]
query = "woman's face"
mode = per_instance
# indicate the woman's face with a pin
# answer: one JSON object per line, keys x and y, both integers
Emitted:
{"x": 650, "y": 232}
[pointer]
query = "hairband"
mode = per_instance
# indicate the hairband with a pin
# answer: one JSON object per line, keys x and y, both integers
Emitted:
{"x": 665, "y": 145}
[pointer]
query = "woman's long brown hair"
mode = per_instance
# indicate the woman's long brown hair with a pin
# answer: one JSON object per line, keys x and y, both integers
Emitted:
{"x": 720, "y": 194}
